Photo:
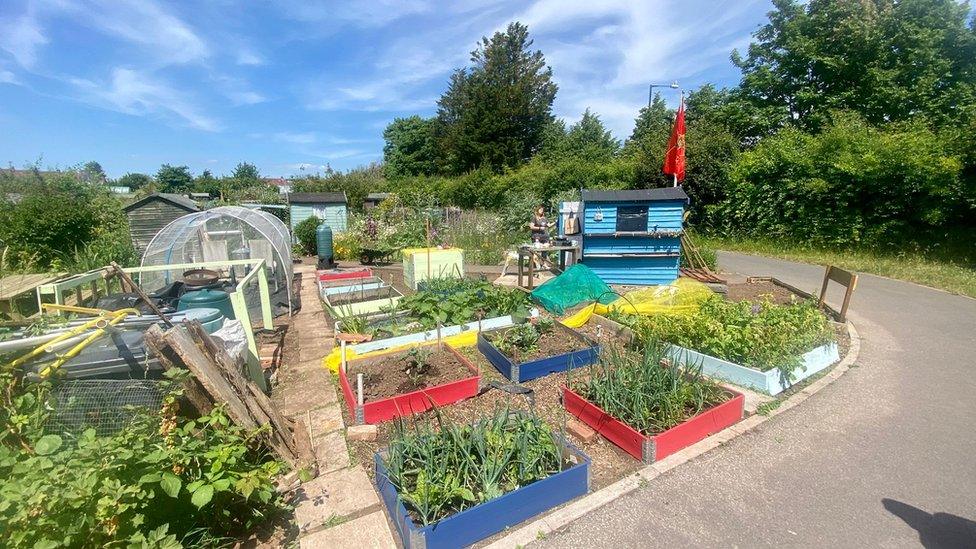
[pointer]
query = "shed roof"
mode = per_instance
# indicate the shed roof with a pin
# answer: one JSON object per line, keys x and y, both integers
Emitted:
{"x": 175, "y": 199}
{"x": 378, "y": 196}
{"x": 635, "y": 195}
{"x": 317, "y": 198}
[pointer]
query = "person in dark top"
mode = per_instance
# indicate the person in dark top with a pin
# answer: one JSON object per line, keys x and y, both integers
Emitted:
{"x": 539, "y": 226}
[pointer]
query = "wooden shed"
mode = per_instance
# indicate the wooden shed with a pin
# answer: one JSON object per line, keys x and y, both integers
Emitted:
{"x": 633, "y": 237}
{"x": 148, "y": 215}
{"x": 330, "y": 207}
{"x": 373, "y": 200}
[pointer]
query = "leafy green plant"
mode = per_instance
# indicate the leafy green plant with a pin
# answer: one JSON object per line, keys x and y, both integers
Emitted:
{"x": 522, "y": 338}
{"x": 441, "y": 471}
{"x": 638, "y": 389}
{"x": 468, "y": 300}
{"x": 306, "y": 233}
{"x": 759, "y": 335}
{"x": 417, "y": 366}
{"x": 162, "y": 480}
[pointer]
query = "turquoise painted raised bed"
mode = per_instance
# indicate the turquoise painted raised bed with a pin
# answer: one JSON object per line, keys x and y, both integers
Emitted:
{"x": 771, "y": 381}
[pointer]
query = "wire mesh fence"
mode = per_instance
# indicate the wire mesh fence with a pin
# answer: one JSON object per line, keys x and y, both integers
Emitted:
{"x": 105, "y": 405}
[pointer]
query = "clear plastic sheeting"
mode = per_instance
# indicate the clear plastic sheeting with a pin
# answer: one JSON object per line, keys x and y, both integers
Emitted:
{"x": 222, "y": 234}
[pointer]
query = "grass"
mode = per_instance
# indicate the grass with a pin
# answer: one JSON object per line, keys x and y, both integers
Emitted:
{"x": 946, "y": 268}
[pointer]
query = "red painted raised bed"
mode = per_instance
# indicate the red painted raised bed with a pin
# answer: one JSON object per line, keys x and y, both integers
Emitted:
{"x": 655, "y": 447}
{"x": 413, "y": 402}
{"x": 325, "y": 276}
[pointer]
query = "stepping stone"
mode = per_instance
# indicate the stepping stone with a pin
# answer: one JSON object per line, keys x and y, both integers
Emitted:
{"x": 334, "y": 495}
{"x": 331, "y": 452}
{"x": 367, "y": 532}
{"x": 326, "y": 420}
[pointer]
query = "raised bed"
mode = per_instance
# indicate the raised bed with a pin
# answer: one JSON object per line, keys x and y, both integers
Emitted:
{"x": 651, "y": 448}
{"x": 326, "y": 276}
{"x": 518, "y": 372}
{"x": 413, "y": 402}
{"x": 479, "y": 522}
{"x": 369, "y": 302}
{"x": 771, "y": 381}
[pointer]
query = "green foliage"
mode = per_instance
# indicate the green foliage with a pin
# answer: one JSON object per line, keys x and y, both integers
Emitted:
{"x": 410, "y": 148}
{"x": 494, "y": 113}
{"x": 440, "y": 472}
{"x": 646, "y": 395}
{"x": 306, "y": 233}
{"x": 521, "y": 339}
{"x": 174, "y": 179}
{"x": 759, "y": 335}
{"x": 135, "y": 181}
{"x": 587, "y": 140}
{"x": 161, "y": 481}
{"x": 356, "y": 183}
{"x": 463, "y": 303}
{"x": 850, "y": 184}
{"x": 246, "y": 172}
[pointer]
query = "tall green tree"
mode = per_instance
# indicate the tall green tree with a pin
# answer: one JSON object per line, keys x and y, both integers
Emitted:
{"x": 494, "y": 113}
{"x": 246, "y": 172}
{"x": 590, "y": 140}
{"x": 887, "y": 60}
{"x": 410, "y": 148}
{"x": 648, "y": 142}
{"x": 207, "y": 183}
{"x": 93, "y": 172}
{"x": 135, "y": 181}
{"x": 174, "y": 179}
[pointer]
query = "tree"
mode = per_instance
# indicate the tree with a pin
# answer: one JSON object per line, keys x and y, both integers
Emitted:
{"x": 590, "y": 140}
{"x": 174, "y": 179}
{"x": 207, "y": 183}
{"x": 93, "y": 172}
{"x": 134, "y": 181}
{"x": 648, "y": 142}
{"x": 245, "y": 172}
{"x": 495, "y": 112}
{"x": 410, "y": 148}
{"x": 886, "y": 60}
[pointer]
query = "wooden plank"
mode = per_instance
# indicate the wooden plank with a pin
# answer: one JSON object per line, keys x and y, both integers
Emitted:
{"x": 194, "y": 392}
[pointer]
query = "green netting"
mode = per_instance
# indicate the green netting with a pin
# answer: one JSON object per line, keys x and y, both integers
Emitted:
{"x": 574, "y": 286}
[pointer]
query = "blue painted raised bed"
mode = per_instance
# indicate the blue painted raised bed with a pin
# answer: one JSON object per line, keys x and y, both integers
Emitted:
{"x": 525, "y": 371}
{"x": 479, "y": 522}
{"x": 771, "y": 381}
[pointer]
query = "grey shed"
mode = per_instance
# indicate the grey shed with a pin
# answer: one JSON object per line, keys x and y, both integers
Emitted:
{"x": 148, "y": 215}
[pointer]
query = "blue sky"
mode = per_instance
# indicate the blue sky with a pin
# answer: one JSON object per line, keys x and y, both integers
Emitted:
{"x": 294, "y": 84}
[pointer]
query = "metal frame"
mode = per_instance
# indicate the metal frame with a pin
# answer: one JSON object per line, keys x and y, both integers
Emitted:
{"x": 237, "y": 300}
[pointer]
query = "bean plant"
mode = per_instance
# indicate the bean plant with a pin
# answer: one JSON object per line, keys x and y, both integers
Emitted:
{"x": 757, "y": 334}
{"x": 644, "y": 391}
{"x": 458, "y": 301}
{"x": 441, "y": 470}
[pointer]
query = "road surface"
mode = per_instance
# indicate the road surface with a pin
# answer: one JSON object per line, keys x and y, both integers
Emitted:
{"x": 883, "y": 457}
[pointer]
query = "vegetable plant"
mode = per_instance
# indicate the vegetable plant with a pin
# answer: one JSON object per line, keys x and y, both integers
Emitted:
{"x": 440, "y": 471}
{"x": 757, "y": 334}
{"x": 523, "y": 338}
{"x": 465, "y": 303}
{"x": 644, "y": 391}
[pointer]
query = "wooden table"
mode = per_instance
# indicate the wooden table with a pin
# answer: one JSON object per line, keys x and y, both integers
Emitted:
{"x": 531, "y": 252}
{"x": 14, "y": 286}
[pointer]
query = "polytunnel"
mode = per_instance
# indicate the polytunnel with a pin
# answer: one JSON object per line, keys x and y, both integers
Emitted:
{"x": 223, "y": 234}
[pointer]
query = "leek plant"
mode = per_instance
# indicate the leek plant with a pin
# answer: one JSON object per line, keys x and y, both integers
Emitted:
{"x": 439, "y": 471}
{"x": 646, "y": 392}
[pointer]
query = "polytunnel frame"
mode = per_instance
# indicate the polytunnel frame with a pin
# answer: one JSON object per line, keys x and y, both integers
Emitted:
{"x": 193, "y": 221}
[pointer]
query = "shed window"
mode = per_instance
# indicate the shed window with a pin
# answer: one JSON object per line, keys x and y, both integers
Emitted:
{"x": 631, "y": 219}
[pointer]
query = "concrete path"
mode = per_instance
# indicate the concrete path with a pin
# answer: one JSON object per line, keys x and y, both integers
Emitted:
{"x": 885, "y": 456}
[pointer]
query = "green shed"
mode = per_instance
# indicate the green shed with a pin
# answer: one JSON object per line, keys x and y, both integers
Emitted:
{"x": 148, "y": 215}
{"x": 330, "y": 207}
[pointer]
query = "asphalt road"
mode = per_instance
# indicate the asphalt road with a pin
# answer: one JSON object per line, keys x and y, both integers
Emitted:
{"x": 883, "y": 457}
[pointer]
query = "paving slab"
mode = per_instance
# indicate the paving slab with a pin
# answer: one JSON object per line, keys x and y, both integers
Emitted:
{"x": 331, "y": 452}
{"x": 367, "y": 532}
{"x": 325, "y": 420}
{"x": 334, "y": 495}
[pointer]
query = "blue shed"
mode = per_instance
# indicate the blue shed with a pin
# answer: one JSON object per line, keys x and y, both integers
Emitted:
{"x": 330, "y": 207}
{"x": 633, "y": 237}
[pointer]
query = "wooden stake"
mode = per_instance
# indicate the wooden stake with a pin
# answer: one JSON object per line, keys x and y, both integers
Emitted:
{"x": 142, "y": 295}
{"x": 359, "y": 388}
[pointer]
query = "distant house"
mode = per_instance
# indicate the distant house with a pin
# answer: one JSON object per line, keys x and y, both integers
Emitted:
{"x": 119, "y": 189}
{"x": 150, "y": 214}
{"x": 330, "y": 207}
{"x": 373, "y": 200}
{"x": 282, "y": 184}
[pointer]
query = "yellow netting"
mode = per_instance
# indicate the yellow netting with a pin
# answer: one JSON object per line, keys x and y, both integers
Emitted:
{"x": 333, "y": 360}
{"x": 684, "y": 296}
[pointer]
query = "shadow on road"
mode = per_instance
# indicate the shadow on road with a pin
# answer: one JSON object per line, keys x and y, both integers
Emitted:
{"x": 935, "y": 531}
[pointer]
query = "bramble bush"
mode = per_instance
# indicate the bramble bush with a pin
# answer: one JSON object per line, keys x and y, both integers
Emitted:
{"x": 161, "y": 481}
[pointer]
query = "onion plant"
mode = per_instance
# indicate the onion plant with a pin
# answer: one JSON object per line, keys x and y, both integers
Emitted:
{"x": 439, "y": 470}
{"x": 646, "y": 392}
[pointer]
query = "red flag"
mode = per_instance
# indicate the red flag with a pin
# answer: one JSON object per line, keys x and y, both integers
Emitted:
{"x": 674, "y": 158}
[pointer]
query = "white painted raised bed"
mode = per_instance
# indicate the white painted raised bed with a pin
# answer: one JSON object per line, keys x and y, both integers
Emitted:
{"x": 771, "y": 381}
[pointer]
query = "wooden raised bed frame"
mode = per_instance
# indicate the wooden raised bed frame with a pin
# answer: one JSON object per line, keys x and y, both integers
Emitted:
{"x": 483, "y": 520}
{"x": 413, "y": 402}
{"x": 526, "y": 371}
{"x": 653, "y": 448}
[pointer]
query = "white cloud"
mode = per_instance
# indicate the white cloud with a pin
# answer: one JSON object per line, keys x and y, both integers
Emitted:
{"x": 22, "y": 37}
{"x": 376, "y": 13}
{"x": 7, "y": 77}
{"x": 245, "y": 97}
{"x": 136, "y": 93}
{"x": 305, "y": 138}
{"x": 247, "y": 57}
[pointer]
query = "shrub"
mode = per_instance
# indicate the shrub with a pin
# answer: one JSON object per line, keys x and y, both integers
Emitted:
{"x": 306, "y": 233}
{"x": 161, "y": 481}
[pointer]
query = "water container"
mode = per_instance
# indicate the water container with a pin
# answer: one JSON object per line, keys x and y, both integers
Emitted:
{"x": 211, "y": 319}
{"x": 207, "y": 299}
{"x": 323, "y": 241}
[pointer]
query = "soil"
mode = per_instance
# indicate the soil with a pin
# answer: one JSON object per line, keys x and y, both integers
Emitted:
{"x": 390, "y": 375}
{"x": 753, "y": 291}
{"x": 600, "y": 336}
{"x": 360, "y": 296}
{"x": 553, "y": 343}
